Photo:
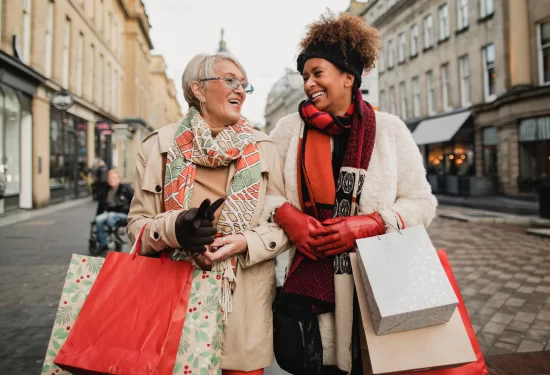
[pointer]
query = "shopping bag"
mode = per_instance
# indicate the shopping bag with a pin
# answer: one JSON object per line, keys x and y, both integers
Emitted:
{"x": 201, "y": 340}
{"x": 405, "y": 282}
{"x": 81, "y": 275}
{"x": 417, "y": 341}
{"x": 132, "y": 320}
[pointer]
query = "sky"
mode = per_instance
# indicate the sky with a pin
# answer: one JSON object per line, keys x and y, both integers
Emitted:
{"x": 263, "y": 34}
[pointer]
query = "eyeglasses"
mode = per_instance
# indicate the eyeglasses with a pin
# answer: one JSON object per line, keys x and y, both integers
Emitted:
{"x": 232, "y": 82}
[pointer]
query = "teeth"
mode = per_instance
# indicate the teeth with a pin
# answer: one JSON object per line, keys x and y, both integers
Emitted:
{"x": 317, "y": 94}
{"x": 233, "y": 101}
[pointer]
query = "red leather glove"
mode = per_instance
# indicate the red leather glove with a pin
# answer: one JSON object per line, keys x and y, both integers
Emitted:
{"x": 298, "y": 227}
{"x": 339, "y": 234}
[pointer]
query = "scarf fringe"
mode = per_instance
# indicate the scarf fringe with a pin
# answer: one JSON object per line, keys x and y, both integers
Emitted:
{"x": 228, "y": 279}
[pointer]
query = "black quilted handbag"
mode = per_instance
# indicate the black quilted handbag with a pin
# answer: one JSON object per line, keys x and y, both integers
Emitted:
{"x": 296, "y": 338}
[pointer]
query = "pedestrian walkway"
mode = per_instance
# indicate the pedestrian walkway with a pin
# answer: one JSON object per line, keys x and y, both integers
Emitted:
{"x": 496, "y": 203}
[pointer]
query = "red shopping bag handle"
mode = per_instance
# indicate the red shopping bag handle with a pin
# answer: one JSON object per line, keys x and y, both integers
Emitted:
{"x": 163, "y": 255}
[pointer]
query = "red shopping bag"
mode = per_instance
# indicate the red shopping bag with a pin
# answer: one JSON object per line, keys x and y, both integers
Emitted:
{"x": 473, "y": 368}
{"x": 132, "y": 320}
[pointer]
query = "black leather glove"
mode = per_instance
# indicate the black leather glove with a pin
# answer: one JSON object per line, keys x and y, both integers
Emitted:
{"x": 195, "y": 227}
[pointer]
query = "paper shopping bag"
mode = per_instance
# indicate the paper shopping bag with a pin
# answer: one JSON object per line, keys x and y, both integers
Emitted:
{"x": 405, "y": 282}
{"x": 132, "y": 320}
{"x": 81, "y": 275}
{"x": 440, "y": 345}
{"x": 201, "y": 340}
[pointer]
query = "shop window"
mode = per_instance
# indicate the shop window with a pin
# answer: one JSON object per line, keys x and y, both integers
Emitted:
{"x": 452, "y": 160}
{"x": 490, "y": 151}
{"x": 10, "y": 139}
{"x": 534, "y": 153}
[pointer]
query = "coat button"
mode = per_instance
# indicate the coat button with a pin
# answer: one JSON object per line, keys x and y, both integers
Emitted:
{"x": 272, "y": 245}
{"x": 158, "y": 189}
{"x": 156, "y": 235}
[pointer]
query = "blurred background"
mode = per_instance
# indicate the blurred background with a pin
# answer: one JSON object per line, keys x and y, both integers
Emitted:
{"x": 83, "y": 82}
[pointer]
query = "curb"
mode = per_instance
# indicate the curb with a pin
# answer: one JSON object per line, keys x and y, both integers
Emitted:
{"x": 24, "y": 215}
{"x": 544, "y": 233}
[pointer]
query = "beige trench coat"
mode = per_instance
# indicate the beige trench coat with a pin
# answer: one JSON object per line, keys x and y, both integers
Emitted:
{"x": 248, "y": 337}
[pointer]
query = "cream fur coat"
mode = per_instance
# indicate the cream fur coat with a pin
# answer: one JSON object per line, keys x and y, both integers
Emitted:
{"x": 395, "y": 182}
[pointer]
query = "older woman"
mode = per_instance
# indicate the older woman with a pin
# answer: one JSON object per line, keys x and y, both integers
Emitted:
{"x": 215, "y": 155}
{"x": 350, "y": 173}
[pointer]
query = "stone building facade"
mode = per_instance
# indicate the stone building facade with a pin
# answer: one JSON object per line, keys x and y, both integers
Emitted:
{"x": 98, "y": 52}
{"x": 471, "y": 79}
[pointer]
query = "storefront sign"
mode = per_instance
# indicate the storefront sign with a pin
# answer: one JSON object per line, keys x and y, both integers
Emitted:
{"x": 62, "y": 100}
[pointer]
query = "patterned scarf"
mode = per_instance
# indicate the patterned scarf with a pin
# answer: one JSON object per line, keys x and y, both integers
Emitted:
{"x": 194, "y": 145}
{"x": 321, "y": 199}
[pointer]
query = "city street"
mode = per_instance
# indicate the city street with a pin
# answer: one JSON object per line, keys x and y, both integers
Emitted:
{"x": 504, "y": 276}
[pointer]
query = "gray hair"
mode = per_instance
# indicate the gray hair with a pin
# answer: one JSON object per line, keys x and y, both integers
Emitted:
{"x": 202, "y": 66}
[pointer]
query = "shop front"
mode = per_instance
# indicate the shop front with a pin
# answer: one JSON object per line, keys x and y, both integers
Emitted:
{"x": 68, "y": 156}
{"x": 447, "y": 144}
{"x": 534, "y": 153}
{"x": 18, "y": 84}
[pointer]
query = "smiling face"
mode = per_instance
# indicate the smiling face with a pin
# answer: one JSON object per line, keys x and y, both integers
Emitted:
{"x": 327, "y": 87}
{"x": 221, "y": 103}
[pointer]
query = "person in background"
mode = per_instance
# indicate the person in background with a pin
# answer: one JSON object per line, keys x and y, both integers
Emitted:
{"x": 100, "y": 185}
{"x": 113, "y": 206}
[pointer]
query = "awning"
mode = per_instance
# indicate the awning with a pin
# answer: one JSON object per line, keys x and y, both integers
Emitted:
{"x": 440, "y": 129}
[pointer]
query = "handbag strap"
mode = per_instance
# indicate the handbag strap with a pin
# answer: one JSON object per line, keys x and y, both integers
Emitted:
{"x": 136, "y": 249}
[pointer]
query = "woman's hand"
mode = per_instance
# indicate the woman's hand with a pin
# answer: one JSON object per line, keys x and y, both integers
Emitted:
{"x": 225, "y": 247}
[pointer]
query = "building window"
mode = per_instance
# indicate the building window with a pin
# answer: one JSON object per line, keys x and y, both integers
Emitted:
{"x": 114, "y": 98}
{"x": 79, "y": 62}
{"x": 544, "y": 53}
{"x": 99, "y": 84}
{"x": 381, "y": 61}
{"x": 108, "y": 27}
{"x": 402, "y": 47}
{"x": 430, "y": 91}
{"x": 489, "y": 75}
{"x": 414, "y": 40}
{"x": 462, "y": 14}
{"x": 391, "y": 54}
{"x": 444, "y": 22}
{"x": 403, "y": 100}
{"x": 486, "y": 8}
{"x": 49, "y": 40}
{"x": 383, "y": 104}
{"x": 464, "y": 72}
{"x": 100, "y": 11}
{"x": 91, "y": 81}
{"x": 110, "y": 84}
{"x": 428, "y": 32}
{"x": 26, "y": 35}
{"x": 66, "y": 54}
{"x": 489, "y": 142}
{"x": 393, "y": 109}
{"x": 446, "y": 87}
{"x": 416, "y": 97}
{"x": 534, "y": 152}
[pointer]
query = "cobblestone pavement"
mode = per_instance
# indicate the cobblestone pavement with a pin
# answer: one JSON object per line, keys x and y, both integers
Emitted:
{"x": 504, "y": 276}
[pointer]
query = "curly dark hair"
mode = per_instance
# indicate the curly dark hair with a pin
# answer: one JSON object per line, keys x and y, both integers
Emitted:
{"x": 350, "y": 32}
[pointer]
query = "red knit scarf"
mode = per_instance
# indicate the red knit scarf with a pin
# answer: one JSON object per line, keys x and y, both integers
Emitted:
{"x": 322, "y": 197}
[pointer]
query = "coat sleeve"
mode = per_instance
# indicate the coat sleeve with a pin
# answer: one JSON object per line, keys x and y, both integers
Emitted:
{"x": 144, "y": 210}
{"x": 267, "y": 240}
{"x": 415, "y": 204}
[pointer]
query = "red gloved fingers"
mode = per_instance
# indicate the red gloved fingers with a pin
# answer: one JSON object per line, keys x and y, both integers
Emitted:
{"x": 332, "y": 221}
{"x": 324, "y": 231}
{"x": 307, "y": 254}
{"x": 321, "y": 241}
{"x": 332, "y": 246}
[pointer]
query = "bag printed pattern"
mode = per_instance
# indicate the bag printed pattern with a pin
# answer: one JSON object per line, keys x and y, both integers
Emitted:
{"x": 201, "y": 340}
{"x": 83, "y": 271}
